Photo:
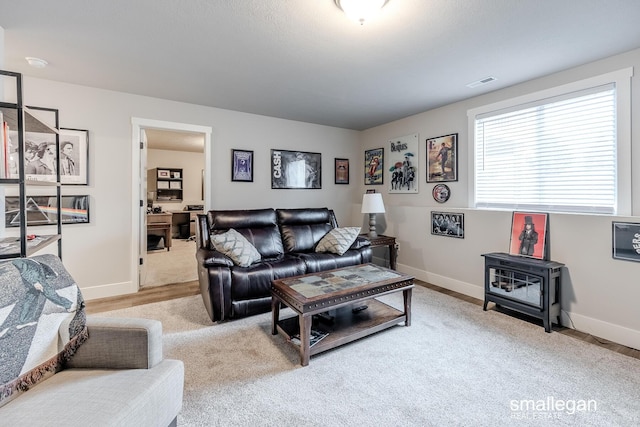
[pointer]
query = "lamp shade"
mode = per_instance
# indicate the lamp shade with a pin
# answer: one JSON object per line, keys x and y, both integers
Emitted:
{"x": 372, "y": 203}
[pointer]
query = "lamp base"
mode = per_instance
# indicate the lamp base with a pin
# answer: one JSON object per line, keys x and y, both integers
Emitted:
{"x": 372, "y": 226}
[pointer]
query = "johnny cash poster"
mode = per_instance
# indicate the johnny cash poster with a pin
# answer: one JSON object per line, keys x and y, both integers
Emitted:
{"x": 403, "y": 167}
{"x": 295, "y": 169}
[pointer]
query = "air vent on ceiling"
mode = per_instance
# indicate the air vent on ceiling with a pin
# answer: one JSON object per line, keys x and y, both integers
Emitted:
{"x": 482, "y": 82}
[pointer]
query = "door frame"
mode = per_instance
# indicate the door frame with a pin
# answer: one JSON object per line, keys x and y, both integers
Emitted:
{"x": 137, "y": 124}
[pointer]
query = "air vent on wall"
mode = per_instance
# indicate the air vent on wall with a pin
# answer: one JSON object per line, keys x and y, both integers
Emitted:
{"x": 482, "y": 82}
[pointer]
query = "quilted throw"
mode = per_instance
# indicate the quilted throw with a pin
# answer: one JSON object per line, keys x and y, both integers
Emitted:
{"x": 42, "y": 322}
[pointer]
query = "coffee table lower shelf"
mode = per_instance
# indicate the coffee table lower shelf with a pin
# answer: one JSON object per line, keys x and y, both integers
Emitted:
{"x": 345, "y": 326}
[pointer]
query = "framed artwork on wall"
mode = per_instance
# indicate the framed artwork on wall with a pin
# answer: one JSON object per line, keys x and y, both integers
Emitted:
{"x": 374, "y": 166}
{"x": 74, "y": 156}
{"x": 447, "y": 224}
{"x": 403, "y": 169}
{"x": 626, "y": 241}
{"x": 442, "y": 158}
{"x": 42, "y": 210}
{"x": 295, "y": 169}
{"x": 242, "y": 165}
{"x": 529, "y": 235}
{"x": 341, "y": 171}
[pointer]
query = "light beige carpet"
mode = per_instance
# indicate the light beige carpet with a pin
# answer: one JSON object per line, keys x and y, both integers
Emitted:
{"x": 175, "y": 266}
{"x": 455, "y": 366}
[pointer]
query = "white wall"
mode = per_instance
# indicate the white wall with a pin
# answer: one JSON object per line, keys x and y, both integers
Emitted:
{"x": 599, "y": 294}
{"x": 99, "y": 254}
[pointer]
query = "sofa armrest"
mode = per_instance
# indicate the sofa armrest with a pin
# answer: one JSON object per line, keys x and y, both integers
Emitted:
{"x": 212, "y": 258}
{"x": 119, "y": 343}
{"x": 360, "y": 242}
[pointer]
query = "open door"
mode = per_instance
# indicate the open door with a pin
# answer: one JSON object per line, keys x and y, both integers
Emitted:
{"x": 142, "y": 238}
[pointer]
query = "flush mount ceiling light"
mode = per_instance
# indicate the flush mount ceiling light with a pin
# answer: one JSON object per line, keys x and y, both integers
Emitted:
{"x": 36, "y": 62}
{"x": 360, "y": 10}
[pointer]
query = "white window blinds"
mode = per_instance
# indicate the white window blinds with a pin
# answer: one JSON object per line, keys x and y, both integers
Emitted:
{"x": 558, "y": 154}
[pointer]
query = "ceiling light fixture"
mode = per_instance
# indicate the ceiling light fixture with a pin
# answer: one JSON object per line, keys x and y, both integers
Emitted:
{"x": 360, "y": 10}
{"x": 36, "y": 62}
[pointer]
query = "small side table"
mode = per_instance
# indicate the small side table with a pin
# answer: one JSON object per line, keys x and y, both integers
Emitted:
{"x": 389, "y": 241}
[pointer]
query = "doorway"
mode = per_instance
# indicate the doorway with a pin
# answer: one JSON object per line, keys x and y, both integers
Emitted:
{"x": 178, "y": 144}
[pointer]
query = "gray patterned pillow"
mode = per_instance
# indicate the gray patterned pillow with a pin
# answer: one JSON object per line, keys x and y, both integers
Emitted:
{"x": 338, "y": 240}
{"x": 237, "y": 247}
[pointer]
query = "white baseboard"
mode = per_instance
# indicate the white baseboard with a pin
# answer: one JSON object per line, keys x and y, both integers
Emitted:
{"x": 598, "y": 328}
{"x": 109, "y": 290}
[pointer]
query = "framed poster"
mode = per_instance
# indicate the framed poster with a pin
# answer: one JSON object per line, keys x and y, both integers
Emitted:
{"x": 442, "y": 158}
{"x": 341, "y": 171}
{"x": 626, "y": 241}
{"x": 447, "y": 224}
{"x": 295, "y": 169}
{"x": 242, "y": 165}
{"x": 42, "y": 210}
{"x": 403, "y": 171}
{"x": 39, "y": 156}
{"x": 74, "y": 156}
{"x": 529, "y": 235}
{"x": 373, "y": 166}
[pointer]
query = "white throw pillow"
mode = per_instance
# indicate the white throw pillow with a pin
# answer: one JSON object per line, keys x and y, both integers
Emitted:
{"x": 338, "y": 240}
{"x": 237, "y": 247}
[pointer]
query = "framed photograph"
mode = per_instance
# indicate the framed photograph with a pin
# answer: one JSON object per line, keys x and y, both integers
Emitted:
{"x": 74, "y": 156}
{"x": 39, "y": 156}
{"x": 626, "y": 241}
{"x": 42, "y": 210}
{"x": 175, "y": 174}
{"x": 442, "y": 158}
{"x": 403, "y": 169}
{"x": 342, "y": 171}
{"x": 163, "y": 173}
{"x": 295, "y": 169}
{"x": 447, "y": 224}
{"x": 373, "y": 166}
{"x": 242, "y": 165}
{"x": 529, "y": 235}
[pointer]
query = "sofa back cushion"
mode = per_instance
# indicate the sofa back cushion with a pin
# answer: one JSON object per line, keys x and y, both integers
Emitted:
{"x": 302, "y": 229}
{"x": 258, "y": 226}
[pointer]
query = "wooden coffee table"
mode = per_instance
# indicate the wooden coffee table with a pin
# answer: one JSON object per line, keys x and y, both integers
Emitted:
{"x": 332, "y": 302}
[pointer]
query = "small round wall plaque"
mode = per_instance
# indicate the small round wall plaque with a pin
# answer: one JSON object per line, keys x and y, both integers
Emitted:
{"x": 441, "y": 193}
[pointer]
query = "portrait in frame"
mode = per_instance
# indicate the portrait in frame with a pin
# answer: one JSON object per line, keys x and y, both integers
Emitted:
{"x": 295, "y": 169}
{"x": 74, "y": 156}
{"x": 442, "y": 158}
{"x": 341, "y": 171}
{"x": 529, "y": 235}
{"x": 448, "y": 224}
{"x": 242, "y": 165}
{"x": 374, "y": 166}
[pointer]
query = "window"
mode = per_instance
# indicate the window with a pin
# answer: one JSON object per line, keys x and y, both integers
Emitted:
{"x": 557, "y": 153}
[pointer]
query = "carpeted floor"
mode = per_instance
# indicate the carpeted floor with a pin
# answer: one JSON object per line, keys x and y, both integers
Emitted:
{"x": 456, "y": 365}
{"x": 175, "y": 266}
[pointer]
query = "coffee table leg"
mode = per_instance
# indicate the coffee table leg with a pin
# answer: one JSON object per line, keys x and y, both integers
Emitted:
{"x": 305, "y": 338}
{"x": 275, "y": 314}
{"x": 407, "y": 305}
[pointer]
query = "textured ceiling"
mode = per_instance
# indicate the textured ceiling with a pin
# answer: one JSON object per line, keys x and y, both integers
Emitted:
{"x": 303, "y": 59}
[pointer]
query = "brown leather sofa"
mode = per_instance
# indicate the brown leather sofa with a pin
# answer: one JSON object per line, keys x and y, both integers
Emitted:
{"x": 286, "y": 240}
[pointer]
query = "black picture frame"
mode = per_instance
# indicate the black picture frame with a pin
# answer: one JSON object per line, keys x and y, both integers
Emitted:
{"x": 374, "y": 166}
{"x": 341, "y": 168}
{"x": 442, "y": 158}
{"x": 74, "y": 165}
{"x": 42, "y": 210}
{"x": 536, "y": 246}
{"x": 625, "y": 241}
{"x": 295, "y": 170}
{"x": 242, "y": 165}
{"x": 447, "y": 224}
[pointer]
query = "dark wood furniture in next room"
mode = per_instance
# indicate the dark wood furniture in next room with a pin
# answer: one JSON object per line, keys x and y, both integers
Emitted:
{"x": 340, "y": 303}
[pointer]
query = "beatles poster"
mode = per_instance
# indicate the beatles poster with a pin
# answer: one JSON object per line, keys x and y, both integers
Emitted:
{"x": 403, "y": 169}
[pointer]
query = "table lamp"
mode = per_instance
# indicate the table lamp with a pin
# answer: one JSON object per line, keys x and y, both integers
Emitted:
{"x": 372, "y": 204}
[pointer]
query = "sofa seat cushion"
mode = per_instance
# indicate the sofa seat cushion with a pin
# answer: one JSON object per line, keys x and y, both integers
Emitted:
{"x": 338, "y": 240}
{"x": 255, "y": 281}
{"x": 236, "y": 247}
{"x": 102, "y": 397}
{"x": 317, "y": 261}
